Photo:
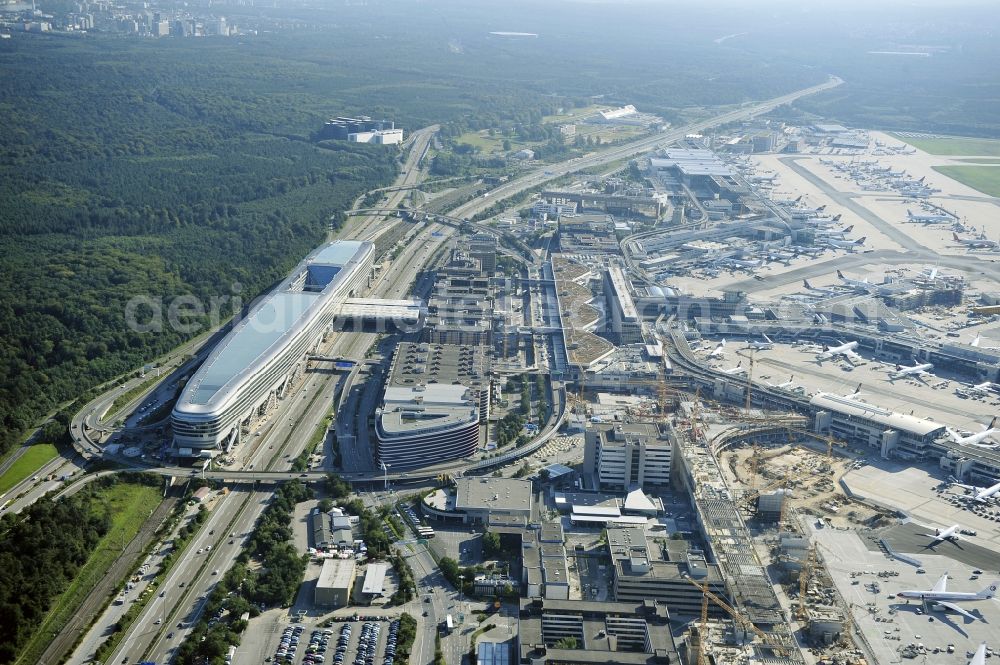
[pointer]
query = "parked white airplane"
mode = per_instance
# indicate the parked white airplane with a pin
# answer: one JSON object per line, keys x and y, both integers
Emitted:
{"x": 787, "y": 384}
{"x": 979, "y": 340}
{"x": 983, "y": 388}
{"x": 846, "y": 350}
{"x": 929, "y": 218}
{"x": 837, "y": 234}
{"x": 980, "y": 494}
{"x": 739, "y": 369}
{"x": 917, "y": 371}
{"x": 976, "y": 439}
{"x": 951, "y": 534}
{"x": 818, "y": 290}
{"x": 718, "y": 352}
{"x": 859, "y": 284}
{"x": 844, "y": 244}
{"x": 939, "y": 595}
{"x": 758, "y": 345}
{"x": 975, "y": 243}
{"x": 979, "y": 658}
{"x": 823, "y": 222}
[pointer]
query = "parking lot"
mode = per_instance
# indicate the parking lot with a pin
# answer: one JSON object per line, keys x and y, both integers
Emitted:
{"x": 361, "y": 641}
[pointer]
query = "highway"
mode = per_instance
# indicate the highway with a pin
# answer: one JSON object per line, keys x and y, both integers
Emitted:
{"x": 304, "y": 410}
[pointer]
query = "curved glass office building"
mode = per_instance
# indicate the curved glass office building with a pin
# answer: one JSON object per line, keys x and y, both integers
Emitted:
{"x": 253, "y": 365}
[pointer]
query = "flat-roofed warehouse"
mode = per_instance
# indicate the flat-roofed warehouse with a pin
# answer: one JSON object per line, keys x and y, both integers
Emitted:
{"x": 374, "y": 584}
{"x": 336, "y": 579}
{"x": 479, "y": 498}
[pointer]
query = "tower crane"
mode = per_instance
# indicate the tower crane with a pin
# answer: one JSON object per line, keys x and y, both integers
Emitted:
{"x": 737, "y": 617}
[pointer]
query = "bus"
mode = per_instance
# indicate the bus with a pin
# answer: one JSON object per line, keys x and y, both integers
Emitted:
{"x": 425, "y": 532}
{"x": 449, "y": 625}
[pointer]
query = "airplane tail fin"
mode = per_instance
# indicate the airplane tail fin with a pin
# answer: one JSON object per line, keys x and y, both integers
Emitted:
{"x": 990, "y": 591}
{"x": 798, "y": 199}
{"x": 861, "y": 240}
{"x": 840, "y": 274}
{"x": 993, "y": 423}
{"x": 821, "y": 208}
{"x": 976, "y": 341}
{"x": 857, "y": 390}
{"x": 805, "y": 283}
{"x": 849, "y": 228}
{"x": 955, "y": 236}
{"x": 837, "y": 218}
{"x": 768, "y": 339}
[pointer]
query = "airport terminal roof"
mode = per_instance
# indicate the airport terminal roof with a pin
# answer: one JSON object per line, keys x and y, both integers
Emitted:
{"x": 854, "y": 407}
{"x": 692, "y": 162}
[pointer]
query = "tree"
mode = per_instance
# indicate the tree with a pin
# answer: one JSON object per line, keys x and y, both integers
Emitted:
{"x": 506, "y": 145}
{"x": 450, "y": 569}
{"x": 325, "y": 505}
{"x": 565, "y": 643}
{"x": 491, "y": 544}
{"x": 337, "y": 487}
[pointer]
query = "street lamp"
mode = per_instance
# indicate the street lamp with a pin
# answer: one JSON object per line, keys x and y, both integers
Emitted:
{"x": 385, "y": 474}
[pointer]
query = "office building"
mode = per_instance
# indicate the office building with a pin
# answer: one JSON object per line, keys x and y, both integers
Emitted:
{"x": 643, "y": 569}
{"x": 622, "y": 456}
{"x": 378, "y": 137}
{"x": 624, "y": 324}
{"x": 265, "y": 352}
{"x": 480, "y": 499}
{"x": 634, "y": 633}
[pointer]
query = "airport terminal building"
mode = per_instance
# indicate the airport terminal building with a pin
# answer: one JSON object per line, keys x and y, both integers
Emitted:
{"x": 253, "y": 365}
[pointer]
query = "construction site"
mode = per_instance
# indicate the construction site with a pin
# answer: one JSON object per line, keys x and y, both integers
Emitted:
{"x": 759, "y": 491}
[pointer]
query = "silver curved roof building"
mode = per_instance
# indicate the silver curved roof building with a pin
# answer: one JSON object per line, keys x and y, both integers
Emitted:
{"x": 252, "y": 365}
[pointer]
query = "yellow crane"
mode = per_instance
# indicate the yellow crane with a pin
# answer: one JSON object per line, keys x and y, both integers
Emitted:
{"x": 804, "y": 574}
{"x": 703, "y": 630}
{"x": 736, "y": 616}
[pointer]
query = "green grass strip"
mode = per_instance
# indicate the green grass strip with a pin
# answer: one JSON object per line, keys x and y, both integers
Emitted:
{"x": 129, "y": 506}
{"x": 33, "y": 459}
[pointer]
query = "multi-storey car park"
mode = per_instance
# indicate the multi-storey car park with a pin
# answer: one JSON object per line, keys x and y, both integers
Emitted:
{"x": 434, "y": 402}
{"x": 263, "y": 354}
